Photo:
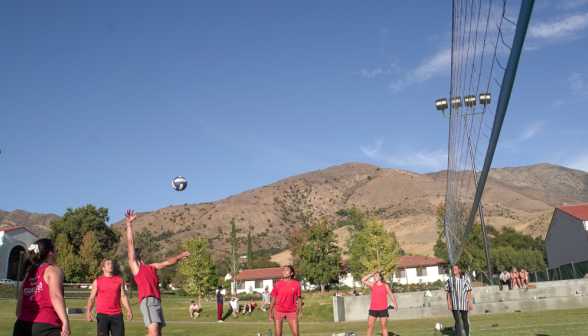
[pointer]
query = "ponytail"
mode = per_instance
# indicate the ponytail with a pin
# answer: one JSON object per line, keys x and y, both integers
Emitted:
{"x": 38, "y": 253}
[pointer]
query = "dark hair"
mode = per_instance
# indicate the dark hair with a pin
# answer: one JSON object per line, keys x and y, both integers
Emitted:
{"x": 192, "y": 301}
{"x": 35, "y": 259}
{"x": 291, "y": 271}
{"x": 137, "y": 254}
{"x": 220, "y": 287}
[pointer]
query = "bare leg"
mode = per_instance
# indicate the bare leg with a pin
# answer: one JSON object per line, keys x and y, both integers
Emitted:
{"x": 371, "y": 322}
{"x": 383, "y": 321}
{"x": 153, "y": 329}
{"x": 278, "y": 326}
{"x": 294, "y": 327}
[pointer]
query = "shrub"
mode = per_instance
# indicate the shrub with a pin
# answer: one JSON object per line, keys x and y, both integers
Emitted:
{"x": 180, "y": 292}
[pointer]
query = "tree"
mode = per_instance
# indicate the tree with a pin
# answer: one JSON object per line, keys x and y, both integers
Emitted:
{"x": 249, "y": 248}
{"x": 68, "y": 261}
{"x": 171, "y": 274}
{"x": 355, "y": 223}
{"x": 262, "y": 263}
{"x": 374, "y": 250}
{"x": 90, "y": 257}
{"x": 319, "y": 257}
{"x": 150, "y": 248}
{"x": 75, "y": 224}
{"x": 233, "y": 260}
{"x": 199, "y": 268}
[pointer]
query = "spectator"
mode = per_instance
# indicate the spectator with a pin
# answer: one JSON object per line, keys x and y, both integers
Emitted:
{"x": 194, "y": 310}
{"x": 524, "y": 275}
{"x": 220, "y": 300}
{"x": 515, "y": 279}
{"x": 234, "y": 304}
{"x": 505, "y": 279}
{"x": 265, "y": 299}
{"x": 250, "y": 305}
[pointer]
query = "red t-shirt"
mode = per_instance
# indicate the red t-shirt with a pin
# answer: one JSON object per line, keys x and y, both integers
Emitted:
{"x": 286, "y": 294}
{"x": 36, "y": 299}
{"x": 147, "y": 282}
{"x": 379, "y": 297}
{"x": 108, "y": 295}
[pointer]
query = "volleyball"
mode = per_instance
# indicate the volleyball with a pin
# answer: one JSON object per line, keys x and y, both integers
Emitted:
{"x": 179, "y": 183}
{"x": 438, "y": 326}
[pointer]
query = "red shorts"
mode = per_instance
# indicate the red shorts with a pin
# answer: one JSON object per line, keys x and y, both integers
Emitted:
{"x": 279, "y": 316}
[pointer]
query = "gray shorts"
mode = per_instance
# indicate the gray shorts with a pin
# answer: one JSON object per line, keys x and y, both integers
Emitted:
{"x": 152, "y": 312}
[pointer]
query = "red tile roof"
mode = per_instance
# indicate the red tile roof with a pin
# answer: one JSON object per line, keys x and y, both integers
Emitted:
{"x": 261, "y": 273}
{"x": 417, "y": 261}
{"x": 579, "y": 211}
{"x": 18, "y": 227}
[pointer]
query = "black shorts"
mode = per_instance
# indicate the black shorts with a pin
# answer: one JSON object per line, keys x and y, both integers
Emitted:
{"x": 22, "y": 328}
{"x": 110, "y": 324}
{"x": 379, "y": 313}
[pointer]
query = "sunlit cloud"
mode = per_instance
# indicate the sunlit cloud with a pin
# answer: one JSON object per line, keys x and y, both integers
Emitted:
{"x": 435, "y": 65}
{"x": 578, "y": 86}
{"x": 367, "y": 74}
{"x": 569, "y": 27}
{"x": 431, "y": 160}
{"x": 530, "y": 131}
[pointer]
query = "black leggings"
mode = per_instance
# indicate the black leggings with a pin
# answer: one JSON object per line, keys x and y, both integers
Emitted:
{"x": 466, "y": 322}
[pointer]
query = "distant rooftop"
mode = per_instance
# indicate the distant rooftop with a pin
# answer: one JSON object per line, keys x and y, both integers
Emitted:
{"x": 16, "y": 228}
{"x": 579, "y": 211}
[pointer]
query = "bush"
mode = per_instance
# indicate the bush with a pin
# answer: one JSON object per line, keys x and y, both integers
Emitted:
{"x": 180, "y": 292}
{"x": 345, "y": 288}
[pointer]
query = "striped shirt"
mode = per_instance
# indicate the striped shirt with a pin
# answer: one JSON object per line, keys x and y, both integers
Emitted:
{"x": 461, "y": 287}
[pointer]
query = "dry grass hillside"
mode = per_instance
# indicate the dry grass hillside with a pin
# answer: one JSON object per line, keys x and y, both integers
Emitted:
{"x": 522, "y": 197}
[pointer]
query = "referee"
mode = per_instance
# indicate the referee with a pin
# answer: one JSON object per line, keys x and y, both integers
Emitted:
{"x": 459, "y": 299}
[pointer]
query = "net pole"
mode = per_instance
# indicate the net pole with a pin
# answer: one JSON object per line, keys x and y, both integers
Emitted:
{"x": 502, "y": 105}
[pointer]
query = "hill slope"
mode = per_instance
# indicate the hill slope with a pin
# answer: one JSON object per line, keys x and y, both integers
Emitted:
{"x": 521, "y": 197}
{"x": 38, "y": 224}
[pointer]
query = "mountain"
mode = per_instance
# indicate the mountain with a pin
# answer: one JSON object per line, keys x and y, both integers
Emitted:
{"x": 520, "y": 197}
{"x": 38, "y": 224}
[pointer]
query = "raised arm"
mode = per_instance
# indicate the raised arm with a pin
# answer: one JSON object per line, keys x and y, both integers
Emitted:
{"x": 171, "y": 261}
{"x": 365, "y": 280}
{"x": 125, "y": 301}
{"x": 91, "y": 301}
{"x": 133, "y": 264}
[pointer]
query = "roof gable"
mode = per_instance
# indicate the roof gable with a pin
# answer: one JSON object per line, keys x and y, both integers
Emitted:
{"x": 579, "y": 211}
{"x": 418, "y": 261}
{"x": 16, "y": 228}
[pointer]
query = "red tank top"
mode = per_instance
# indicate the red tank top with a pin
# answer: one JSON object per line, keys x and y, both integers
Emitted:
{"x": 108, "y": 295}
{"x": 379, "y": 297}
{"x": 36, "y": 300}
{"x": 147, "y": 282}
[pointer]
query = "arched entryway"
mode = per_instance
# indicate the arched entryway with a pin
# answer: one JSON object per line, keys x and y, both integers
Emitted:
{"x": 13, "y": 259}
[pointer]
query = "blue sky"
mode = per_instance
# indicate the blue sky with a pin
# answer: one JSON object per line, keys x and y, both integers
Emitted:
{"x": 106, "y": 102}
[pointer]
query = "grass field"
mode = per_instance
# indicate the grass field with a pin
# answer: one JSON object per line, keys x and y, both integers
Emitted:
{"x": 317, "y": 320}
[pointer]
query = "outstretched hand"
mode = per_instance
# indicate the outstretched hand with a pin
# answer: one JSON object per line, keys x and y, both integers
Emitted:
{"x": 130, "y": 215}
{"x": 185, "y": 255}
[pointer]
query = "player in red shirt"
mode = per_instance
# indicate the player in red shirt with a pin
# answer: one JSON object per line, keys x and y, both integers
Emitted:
{"x": 379, "y": 302}
{"x": 147, "y": 281}
{"x": 40, "y": 307}
{"x": 108, "y": 291}
{"x": 285, "y": 294}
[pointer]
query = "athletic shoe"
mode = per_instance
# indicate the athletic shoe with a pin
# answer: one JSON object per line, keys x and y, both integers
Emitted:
{"x": 221, "y": 321}
{"x": 249, "y": 313}
{"x": 351, "y": 333}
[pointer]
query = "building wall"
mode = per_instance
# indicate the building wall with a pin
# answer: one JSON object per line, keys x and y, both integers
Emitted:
{"x": 412, "y": 278}
{"x": 566, "y": 240}
{"x": 10, "y": 239}
{"x": 249, "y": 286}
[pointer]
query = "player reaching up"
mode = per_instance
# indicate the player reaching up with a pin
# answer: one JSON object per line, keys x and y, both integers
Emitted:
{"x": 147, "y": 281}
{"x": 107, "y": 292}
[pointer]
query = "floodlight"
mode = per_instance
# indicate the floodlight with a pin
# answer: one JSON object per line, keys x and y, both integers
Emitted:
{"x": 470, "y": 101}
{"x": 484, "y": 98}
{"x": 456, "y": 102}
{"x": 441, "y": 104}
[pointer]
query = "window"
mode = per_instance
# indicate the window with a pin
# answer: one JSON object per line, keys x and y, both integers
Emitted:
{"x": 240, "y": 285}
{"x": 258, "y": 283}
{"x": 443, "y": 270}
{"x": 400, "y": 274}
{"x": 421, "y": 272}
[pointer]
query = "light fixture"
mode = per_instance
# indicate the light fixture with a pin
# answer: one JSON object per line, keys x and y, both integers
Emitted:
{"x": 456, "y": 102}
{"x": 441, "y": 104}
{"x": 484, "y": 98}
{"x": 470, "y": 101}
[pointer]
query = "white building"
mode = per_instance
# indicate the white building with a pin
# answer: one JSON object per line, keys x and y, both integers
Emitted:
{"x": 420, "y": 269}
{"x": 13, "y": 241}
{"x": 258, "y": 280}
{"x": 567, "y": 237}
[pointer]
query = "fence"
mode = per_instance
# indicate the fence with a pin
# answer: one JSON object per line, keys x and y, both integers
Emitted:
{"x": 569, "y": 271}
